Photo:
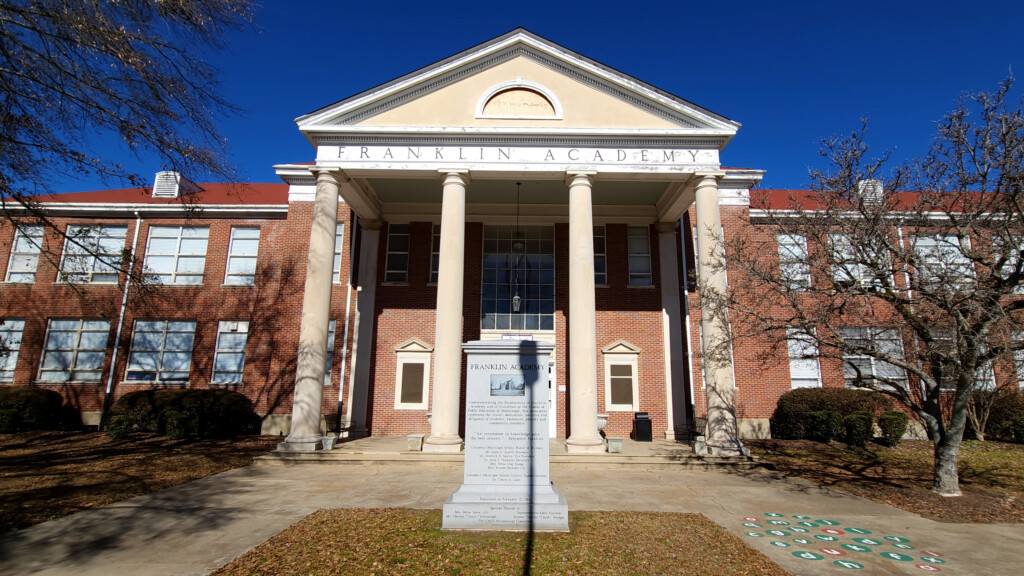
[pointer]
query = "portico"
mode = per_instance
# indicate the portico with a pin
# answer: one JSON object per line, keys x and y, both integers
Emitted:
{"x": 589, "y": 147}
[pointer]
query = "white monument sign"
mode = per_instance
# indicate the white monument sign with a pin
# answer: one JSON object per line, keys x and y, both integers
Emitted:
{"x": 507, "y": 485}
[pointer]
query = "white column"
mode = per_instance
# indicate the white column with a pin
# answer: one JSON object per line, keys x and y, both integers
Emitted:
{"x": 362, "y": 343}
{"x": 444, "y": 427}
{"x": 722, "y": 435}
{"x": 316, "y": 306}
{"x": 584, "y": 437}
{"x": 672, "y": 331}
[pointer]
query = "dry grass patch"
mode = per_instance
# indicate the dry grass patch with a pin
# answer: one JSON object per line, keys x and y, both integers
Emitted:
{"x": 45, "y": 475}
{"x": 991, "y": 476}
{"x": 400, "y": 541}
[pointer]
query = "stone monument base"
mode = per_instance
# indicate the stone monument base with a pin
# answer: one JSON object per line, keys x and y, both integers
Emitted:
{"x": 488, "y": 510}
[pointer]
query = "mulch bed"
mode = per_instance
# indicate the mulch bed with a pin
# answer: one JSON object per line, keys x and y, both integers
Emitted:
{"x": 401, "y": 541}
{"x": 46, "y": 475}
{"x": 991, "y": 476}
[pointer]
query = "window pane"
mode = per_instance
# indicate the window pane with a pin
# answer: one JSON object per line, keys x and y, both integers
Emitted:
{"x": 622, "y": 391}
{"x": 229, "y": 361}
{"x": 412, "y": 383}
{"x": 625, "y": 370}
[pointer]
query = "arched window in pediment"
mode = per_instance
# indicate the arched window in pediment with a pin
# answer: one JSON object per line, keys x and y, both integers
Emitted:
{"x": 519, "y": 99}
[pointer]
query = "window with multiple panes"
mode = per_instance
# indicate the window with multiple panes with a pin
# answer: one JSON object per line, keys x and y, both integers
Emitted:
{"x": 804, "y": 370}
{"x": 863, "y": 365}
{"x": 176, "y": 254}
{"x": 518, "y": 263}
{"x": 229, "y": 357}
{"x": 639, "y": 243}
{"x": 74, "y": 350}
{"x": 10, "y": 336}
{"x": 944, "y": 342}
{"x": 794, "y": 269}
{"x": 161, "y": 351}
{"x": 859, "y": 265}
{"x": 1018, "y": 359}
{"x": 412, "y": 376}
{"x": 28, "y": 242}
{"x": 92, "y": 253}
{"x": 435, "y": 253}
{"x": 621, "y": 392}
{"x": 941, "y": 261}
{"x": 600, "y": 257}
{"x": 242, "y": 250}
{"x": 330, "y": 353}
{"x": 339, "y": 243}
{"x": 396, "y": 266}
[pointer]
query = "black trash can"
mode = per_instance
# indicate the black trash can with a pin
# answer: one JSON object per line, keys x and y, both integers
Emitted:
{"x": 641, "y": 427}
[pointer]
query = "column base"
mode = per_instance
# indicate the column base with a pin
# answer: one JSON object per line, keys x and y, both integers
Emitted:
{"x": 443, "y": 444}
{"x": 586, "y": 446}
{"x": 729, "y": 450}
{"x": 301, "y": 445}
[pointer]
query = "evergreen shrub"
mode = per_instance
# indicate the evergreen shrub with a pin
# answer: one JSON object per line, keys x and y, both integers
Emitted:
{"x": 1006, "y": 409}
{"x": 859, "y": 428}
{"x": 789, "y": 420}
{"x": 180, "y": 413}
{"x": 31, "y": 408}
{"x": 823, "y": 425}
{"x": 893, "y": 425}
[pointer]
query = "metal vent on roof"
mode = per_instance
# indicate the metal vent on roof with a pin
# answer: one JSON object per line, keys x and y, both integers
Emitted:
{"x": 169, "y": 184}
{"x": 871, "y": 191}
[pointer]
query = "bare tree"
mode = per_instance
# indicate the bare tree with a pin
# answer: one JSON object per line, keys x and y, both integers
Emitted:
{"x": 74, "y": 72}
{"x": 914, "y": 293}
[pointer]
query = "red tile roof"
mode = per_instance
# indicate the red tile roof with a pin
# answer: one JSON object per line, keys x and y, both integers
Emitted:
{"x": 216, "y": 193}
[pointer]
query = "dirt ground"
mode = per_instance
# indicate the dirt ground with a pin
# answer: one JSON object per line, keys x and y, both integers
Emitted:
{"x": 991, "y": 476}
{"x": 45, "y": 475}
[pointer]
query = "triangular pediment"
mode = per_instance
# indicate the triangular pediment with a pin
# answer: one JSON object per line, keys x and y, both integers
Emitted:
{"x": 620, "y": 347}
{"x": 517, "y": 81}
{"x": 414, "y": 345}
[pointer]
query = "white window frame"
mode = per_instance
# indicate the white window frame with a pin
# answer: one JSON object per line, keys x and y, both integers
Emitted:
{"x": 635, "y": 236}
{"x": 26, "y": 247}
{"x": 1018, "y": 359}
{"x": 621, "y": 353}
{"x": 880, "y": 336}
{"x": 412, "y": 352}
{"x": 225, "y": 327}
{"x": 329, "y": 356}
{"x": 172, "y": 327}
{"x": 393, "y": 273}
{"x": 804, "y": 365}
{"x": 73, "y": 371}
{"x": 247, "y": 275}
{"x": 849, "y": 271}
{"x": 794, "y": 270}
{"x": 600, "y": 255}
{"x": 942, "y": 261}
{"x": 11, "y": 332}
{"x": 435, "y": 253}
{"x": 182, "y": 233}
{"x": 339, "y": 246}
{"x": 86, "y": 259}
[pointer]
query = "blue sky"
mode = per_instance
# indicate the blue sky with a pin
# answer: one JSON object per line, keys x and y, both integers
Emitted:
{"x": 790, "y": 72}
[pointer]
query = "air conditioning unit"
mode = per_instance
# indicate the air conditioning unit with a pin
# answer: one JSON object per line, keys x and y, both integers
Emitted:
{"x": 170, "y": 184}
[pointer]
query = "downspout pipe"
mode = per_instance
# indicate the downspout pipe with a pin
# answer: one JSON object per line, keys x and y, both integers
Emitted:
{"x": 120, "y": 323}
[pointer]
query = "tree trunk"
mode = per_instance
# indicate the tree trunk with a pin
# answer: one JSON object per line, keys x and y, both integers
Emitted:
{"x": 946, "y": 477}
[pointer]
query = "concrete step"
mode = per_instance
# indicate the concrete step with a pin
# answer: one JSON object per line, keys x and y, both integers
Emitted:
{"x": 679, "y": 459}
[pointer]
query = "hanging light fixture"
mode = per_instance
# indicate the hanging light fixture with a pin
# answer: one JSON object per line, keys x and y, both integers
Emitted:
{"x": 518, "y": 246}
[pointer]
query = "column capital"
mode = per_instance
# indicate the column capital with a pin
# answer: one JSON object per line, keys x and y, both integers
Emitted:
{"x": 455, "y": 176}
{"x": 368, "y": 224}
{"x": 580, "y": 177}
{"x": 333, "y": 173}
{"x": 667, "y": 227}
{"x": 708, "y": 178}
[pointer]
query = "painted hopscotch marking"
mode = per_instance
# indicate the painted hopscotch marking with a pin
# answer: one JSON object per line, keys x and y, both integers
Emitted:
{"x": 928, "y": 559}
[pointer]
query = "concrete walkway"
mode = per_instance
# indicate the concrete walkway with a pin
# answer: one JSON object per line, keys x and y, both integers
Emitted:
{"x": 200, "y": 526}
